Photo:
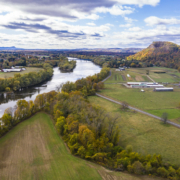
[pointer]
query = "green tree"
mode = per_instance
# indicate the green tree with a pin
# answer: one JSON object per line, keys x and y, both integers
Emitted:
{"x": 60, "y": 124}
{"x": 164, "y": 117}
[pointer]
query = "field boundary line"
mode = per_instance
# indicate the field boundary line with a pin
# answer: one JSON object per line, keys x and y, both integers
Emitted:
{"x": 138, "y": 110}
{"x": 151, "y": 79}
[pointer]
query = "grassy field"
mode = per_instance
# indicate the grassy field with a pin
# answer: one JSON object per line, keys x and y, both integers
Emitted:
{"x": 33, "y": 150}
{"x": 139, "y": 74}
{"x": 145, "y": 134}
{"x": 150, "y": 101}
{"x": 11, "y": 74}
{"x": 171, "y": 75}
{"x": 121, "y": 76}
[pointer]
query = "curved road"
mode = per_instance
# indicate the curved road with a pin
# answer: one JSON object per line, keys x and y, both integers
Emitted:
{"x": 135, "y": 109}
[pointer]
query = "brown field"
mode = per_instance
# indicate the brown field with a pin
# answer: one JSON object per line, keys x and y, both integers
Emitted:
{"x": 139, "y": 78}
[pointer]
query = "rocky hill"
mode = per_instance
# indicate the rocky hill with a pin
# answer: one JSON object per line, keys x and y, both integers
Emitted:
{"x": 160, "y": 53}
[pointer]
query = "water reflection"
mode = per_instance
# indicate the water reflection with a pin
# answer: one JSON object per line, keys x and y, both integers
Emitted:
{"x": 83, "y": 69}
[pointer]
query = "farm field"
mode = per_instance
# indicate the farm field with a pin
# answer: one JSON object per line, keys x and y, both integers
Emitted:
{"x": 147, "y": 135}
{"x": 11, "y": 74}
{"x": 139, "y": 74}
{"x": 170, "y": 75}
{"x": 149, "y": 101}
{"x": 33, "y": 150}
{"x": 121, "y": 76}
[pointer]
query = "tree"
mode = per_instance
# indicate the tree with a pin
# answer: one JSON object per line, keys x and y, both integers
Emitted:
{"x": 124, "y": 105}
{"x": 164, "y": 117}
{"x": 162, "y": 172}
{"x": 60, "y": 124}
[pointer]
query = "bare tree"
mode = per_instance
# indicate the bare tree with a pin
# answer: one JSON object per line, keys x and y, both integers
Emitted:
{"x": 124, "y": 105}
{"x": 59, "y": 87}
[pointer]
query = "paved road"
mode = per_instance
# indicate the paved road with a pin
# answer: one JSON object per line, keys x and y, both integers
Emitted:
{"x": 138, "y": 110}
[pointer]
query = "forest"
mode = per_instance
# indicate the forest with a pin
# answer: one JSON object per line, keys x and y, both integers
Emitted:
{"x": 88, "y": 130}
{"x": 161, "y": 54}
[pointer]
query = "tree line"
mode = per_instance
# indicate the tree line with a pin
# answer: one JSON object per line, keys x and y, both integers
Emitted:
{"x": 25, "y": 80}
{"x": 89, "y": 131}
{"x": 112, "y": 61}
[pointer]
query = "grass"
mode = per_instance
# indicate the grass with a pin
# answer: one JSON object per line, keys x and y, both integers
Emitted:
{"x": 33, "y": 150}
{"x": 171, "y": 75}
{"x": 150, "y": 101}
{"x": 11, "y": 74}
{"x": 121, "y": 76}
{"x": 145, "y": 134}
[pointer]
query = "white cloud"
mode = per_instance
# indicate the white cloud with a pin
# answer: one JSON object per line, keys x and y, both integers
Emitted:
{"x": 125, "y": 25}
{"x": 91, "y": 24}
{"x": 153, "y": 20}
{"x": 115, "y": 10}
{"x": 140, "y": 3}
{"x": 135, "y": 29}
{"x": 129, "y": 20}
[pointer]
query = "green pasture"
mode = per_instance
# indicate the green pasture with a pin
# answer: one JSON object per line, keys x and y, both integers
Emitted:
{"x": 147, "y": 135}
{"x": 11, "y": 74}
{"x": 150, "y": 101}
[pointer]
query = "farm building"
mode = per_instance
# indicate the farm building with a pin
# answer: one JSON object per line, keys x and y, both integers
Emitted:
{"x": 164, "y": 89}
{"x": 138, "y": 83}
{"x": 144, "y": 85}
{"x": 11, "y": 70}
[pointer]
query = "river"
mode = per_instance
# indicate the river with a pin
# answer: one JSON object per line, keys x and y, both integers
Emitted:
{"x": 83, "y": 69}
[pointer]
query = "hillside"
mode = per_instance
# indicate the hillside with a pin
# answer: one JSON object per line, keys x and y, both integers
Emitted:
{"x": 165, "y": 54}
{"x": 33, "y": 150}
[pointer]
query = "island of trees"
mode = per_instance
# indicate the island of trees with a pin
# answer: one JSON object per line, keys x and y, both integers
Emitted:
{"x": 66, "y": 65}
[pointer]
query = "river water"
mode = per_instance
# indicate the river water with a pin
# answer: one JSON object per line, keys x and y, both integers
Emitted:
{"x": 83, "y": 69}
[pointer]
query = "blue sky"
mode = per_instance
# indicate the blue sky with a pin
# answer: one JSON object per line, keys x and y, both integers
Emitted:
{"x": 60, "y": 24}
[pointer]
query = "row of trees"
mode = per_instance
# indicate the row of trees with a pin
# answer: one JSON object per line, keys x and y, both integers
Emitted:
{"x": 111, "y": 61}
{"x": 40, "y": 64}
{"x": 89, "y": 85}
{"x": 25, "y": 80}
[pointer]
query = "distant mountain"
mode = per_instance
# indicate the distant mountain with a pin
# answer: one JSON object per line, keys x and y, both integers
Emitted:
{"x": 117, "y": 50}
{"x": 10, "y": 48}
{"x": 160, "y": 53}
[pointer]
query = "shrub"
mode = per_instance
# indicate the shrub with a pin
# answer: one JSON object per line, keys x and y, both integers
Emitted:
{"x": 148, "y": 167}
{"x": 130, "y": 168}
{"x": 138, "y": 168}
{"x": 162, "y": 172}
{"x": 172, "y": 171}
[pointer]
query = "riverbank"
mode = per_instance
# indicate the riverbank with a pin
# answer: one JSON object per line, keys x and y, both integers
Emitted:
{"x": 82, "y": 70}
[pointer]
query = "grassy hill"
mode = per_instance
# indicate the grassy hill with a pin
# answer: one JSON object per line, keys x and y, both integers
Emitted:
{"x": 166, "y": 54}
{"x": 33, "y": 150}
